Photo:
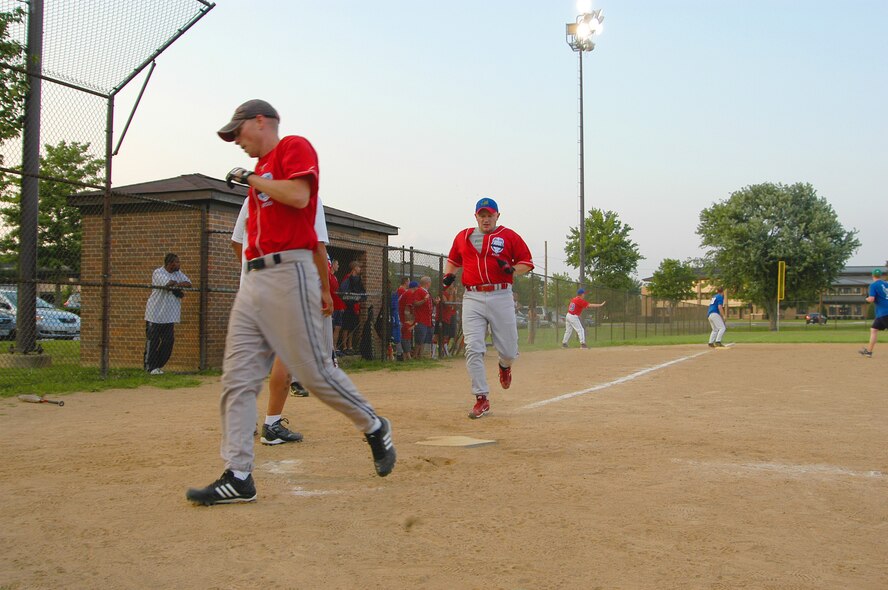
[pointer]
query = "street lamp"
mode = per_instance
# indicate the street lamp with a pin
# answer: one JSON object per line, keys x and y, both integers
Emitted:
{"x": 580, "y": 38}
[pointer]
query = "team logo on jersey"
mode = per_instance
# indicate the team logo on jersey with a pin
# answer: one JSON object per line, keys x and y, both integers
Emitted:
{"x": 497, "y": 244}
{"x": 262, "y": 196}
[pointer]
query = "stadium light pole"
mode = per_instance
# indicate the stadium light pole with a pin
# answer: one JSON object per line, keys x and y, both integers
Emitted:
{"x": 580, "y": 35}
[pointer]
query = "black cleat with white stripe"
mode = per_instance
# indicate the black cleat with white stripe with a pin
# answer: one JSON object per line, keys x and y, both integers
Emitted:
{"x": 383, "y": 449}
{"x": 226, "y": 490}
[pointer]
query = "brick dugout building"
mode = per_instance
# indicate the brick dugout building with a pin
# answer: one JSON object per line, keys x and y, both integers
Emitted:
{"x": 191, "y": 215}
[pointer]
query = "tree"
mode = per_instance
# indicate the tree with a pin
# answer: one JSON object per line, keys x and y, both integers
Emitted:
{"x": 611, "y": 257}
{"x": 759, "y": 225}
{"x": 673, "y": 281}
{"x": 59, "y": 232}
{"x": 13, "y": 84}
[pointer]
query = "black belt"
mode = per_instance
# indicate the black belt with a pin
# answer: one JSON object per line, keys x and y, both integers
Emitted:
{"x": 260, "y": 263}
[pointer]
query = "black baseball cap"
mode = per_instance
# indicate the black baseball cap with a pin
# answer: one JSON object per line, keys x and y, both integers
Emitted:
{"x": 249, "y": 110}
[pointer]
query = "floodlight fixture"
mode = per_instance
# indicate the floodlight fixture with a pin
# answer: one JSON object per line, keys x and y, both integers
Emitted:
{"x": 580, "y": 35}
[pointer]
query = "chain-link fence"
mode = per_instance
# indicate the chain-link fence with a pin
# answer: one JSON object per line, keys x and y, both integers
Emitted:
{"x": 70, "y": 273}
{"x": 541, "y": 306}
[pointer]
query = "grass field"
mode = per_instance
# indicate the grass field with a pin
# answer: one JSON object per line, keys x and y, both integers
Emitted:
{"x": 789, "y": 333}
{"x": 66, "y": 375}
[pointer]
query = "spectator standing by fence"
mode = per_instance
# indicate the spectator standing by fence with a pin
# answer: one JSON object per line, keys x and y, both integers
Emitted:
{"x": 353, "y": 294}
{"x": 422, "y": 313}
{"x": 163, "y": 311}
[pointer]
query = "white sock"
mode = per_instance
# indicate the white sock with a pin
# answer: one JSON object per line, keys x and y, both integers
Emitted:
{"x": 377, "y": 423}
{"x": 241, "y": 475}
{"x": 269, "y": 420}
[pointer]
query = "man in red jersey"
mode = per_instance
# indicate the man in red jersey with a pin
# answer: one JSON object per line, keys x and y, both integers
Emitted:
{"x": 422, "y": 313}
{"x": 490, "y": 256}
{"x": 573, "y": 319}
{"x": 278, "y": 309}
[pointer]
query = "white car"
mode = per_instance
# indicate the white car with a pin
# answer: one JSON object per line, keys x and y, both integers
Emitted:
{"x": 52, "y": 323}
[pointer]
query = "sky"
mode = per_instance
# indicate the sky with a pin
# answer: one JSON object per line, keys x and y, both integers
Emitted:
{"x": 419, "y": 109}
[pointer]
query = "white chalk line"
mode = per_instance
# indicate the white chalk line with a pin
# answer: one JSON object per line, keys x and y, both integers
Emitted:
{"x": 627, "y": 378}
{"x": 785, "y": 468}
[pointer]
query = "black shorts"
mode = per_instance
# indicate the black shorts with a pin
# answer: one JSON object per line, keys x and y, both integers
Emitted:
{"x": 350, "y": 320}
{"x": 881, "y": 323}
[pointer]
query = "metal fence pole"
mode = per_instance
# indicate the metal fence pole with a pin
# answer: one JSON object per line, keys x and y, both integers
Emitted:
{"x": 26, "y": 315}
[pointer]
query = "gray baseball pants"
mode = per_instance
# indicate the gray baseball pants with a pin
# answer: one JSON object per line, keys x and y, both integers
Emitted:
{"x": 497, "y": 310}
{"x": 718, "y": 327}
{"x": 278, "y": 311}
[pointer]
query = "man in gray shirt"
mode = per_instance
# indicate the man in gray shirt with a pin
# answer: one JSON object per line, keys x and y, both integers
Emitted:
{"x": 162, "y": 313}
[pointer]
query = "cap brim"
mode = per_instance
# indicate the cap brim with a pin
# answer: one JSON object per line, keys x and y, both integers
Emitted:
{"x": 227, "y": 132}
{"x": 486, "y": 209}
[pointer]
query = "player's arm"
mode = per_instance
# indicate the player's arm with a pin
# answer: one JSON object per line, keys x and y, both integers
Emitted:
{"x": 294, "y": 192}
{"x": 721, "y": 310}
{"x": 319, "y": 256}
{"x": 521, "y": 269}
{"x": 597, "y": 304}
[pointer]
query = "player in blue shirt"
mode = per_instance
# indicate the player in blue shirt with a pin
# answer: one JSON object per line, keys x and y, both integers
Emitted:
{"x": 716, "y": 316}
{"x": 878, "y": 294}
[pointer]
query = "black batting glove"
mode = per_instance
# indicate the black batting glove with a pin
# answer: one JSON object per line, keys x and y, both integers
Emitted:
{"x": 448, "y": 279}
{"x": 505, "y": 266}
{"x": 237, "y": 175}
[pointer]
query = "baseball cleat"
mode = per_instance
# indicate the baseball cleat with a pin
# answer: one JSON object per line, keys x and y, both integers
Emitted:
{"x": 866, "y": 353}
{"x": 505, "y": 376}
{"x": 481, "y": 408}
{"x": 382, "y": 447}
{"x": 296, "y": 389}
{"x": 712, "y": 345}
{"x": 583, "y": 346}
{"x": 278, "y": 433}
{"x": 226, "y": 490}
{"x": 719, "y": 345}
{"x": 564, "y": 346}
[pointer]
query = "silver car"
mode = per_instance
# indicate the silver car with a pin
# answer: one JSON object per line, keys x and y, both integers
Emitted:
{"x": 52, "y": 323}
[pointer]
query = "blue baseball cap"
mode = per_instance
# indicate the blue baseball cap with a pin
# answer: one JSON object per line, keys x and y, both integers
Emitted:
{"x": 412, "y": 285}
{"x": 488, "y": 204}
{"x": 580, "y": 291}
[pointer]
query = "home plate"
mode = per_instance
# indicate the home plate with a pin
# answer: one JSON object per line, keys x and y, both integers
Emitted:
{"x": 455, "y": 441}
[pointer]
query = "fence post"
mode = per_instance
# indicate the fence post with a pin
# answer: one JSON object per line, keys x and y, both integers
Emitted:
{"x": 204, "y": 292}
{"x": 26, "y": 314}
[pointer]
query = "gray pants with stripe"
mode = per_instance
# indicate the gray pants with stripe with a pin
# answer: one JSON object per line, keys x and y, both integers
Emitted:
{"x": 480, "y": 310}
{"x": 278, "y": 311}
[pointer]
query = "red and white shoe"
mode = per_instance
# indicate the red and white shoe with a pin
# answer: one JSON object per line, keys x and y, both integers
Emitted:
{"x": 482, "y": 406}
{"x": 505, "y": 376}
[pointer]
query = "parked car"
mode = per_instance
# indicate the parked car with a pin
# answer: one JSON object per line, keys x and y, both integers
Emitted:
{"x": 51, "y": 322}
{"x": 815, "y": 318}
{"x": 73, "y": 302}
{"x": 521, "y": 319}
{"x": 7, "y": 325}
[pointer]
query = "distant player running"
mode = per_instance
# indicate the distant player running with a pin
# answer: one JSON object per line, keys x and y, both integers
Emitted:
{"x": 573, "y": 319}
{"x": 878, "y": 294}
{"x": 490, "y": 256}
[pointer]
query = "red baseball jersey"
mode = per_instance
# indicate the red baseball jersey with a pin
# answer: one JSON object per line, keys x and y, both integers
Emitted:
{"x": 577, "y": 305}
{"x": 275, "y": 227}
{"x": 422, "y": 306}
{"x": 404, "y": 301}
{"x": 480, "y": 268}
{"x": 338, "y": 303}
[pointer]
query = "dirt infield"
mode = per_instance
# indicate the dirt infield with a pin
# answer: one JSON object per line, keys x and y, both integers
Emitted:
{"x": 758, "y": 466}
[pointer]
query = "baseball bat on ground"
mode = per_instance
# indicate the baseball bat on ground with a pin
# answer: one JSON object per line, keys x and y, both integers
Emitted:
{"x": 39, "y": 399}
